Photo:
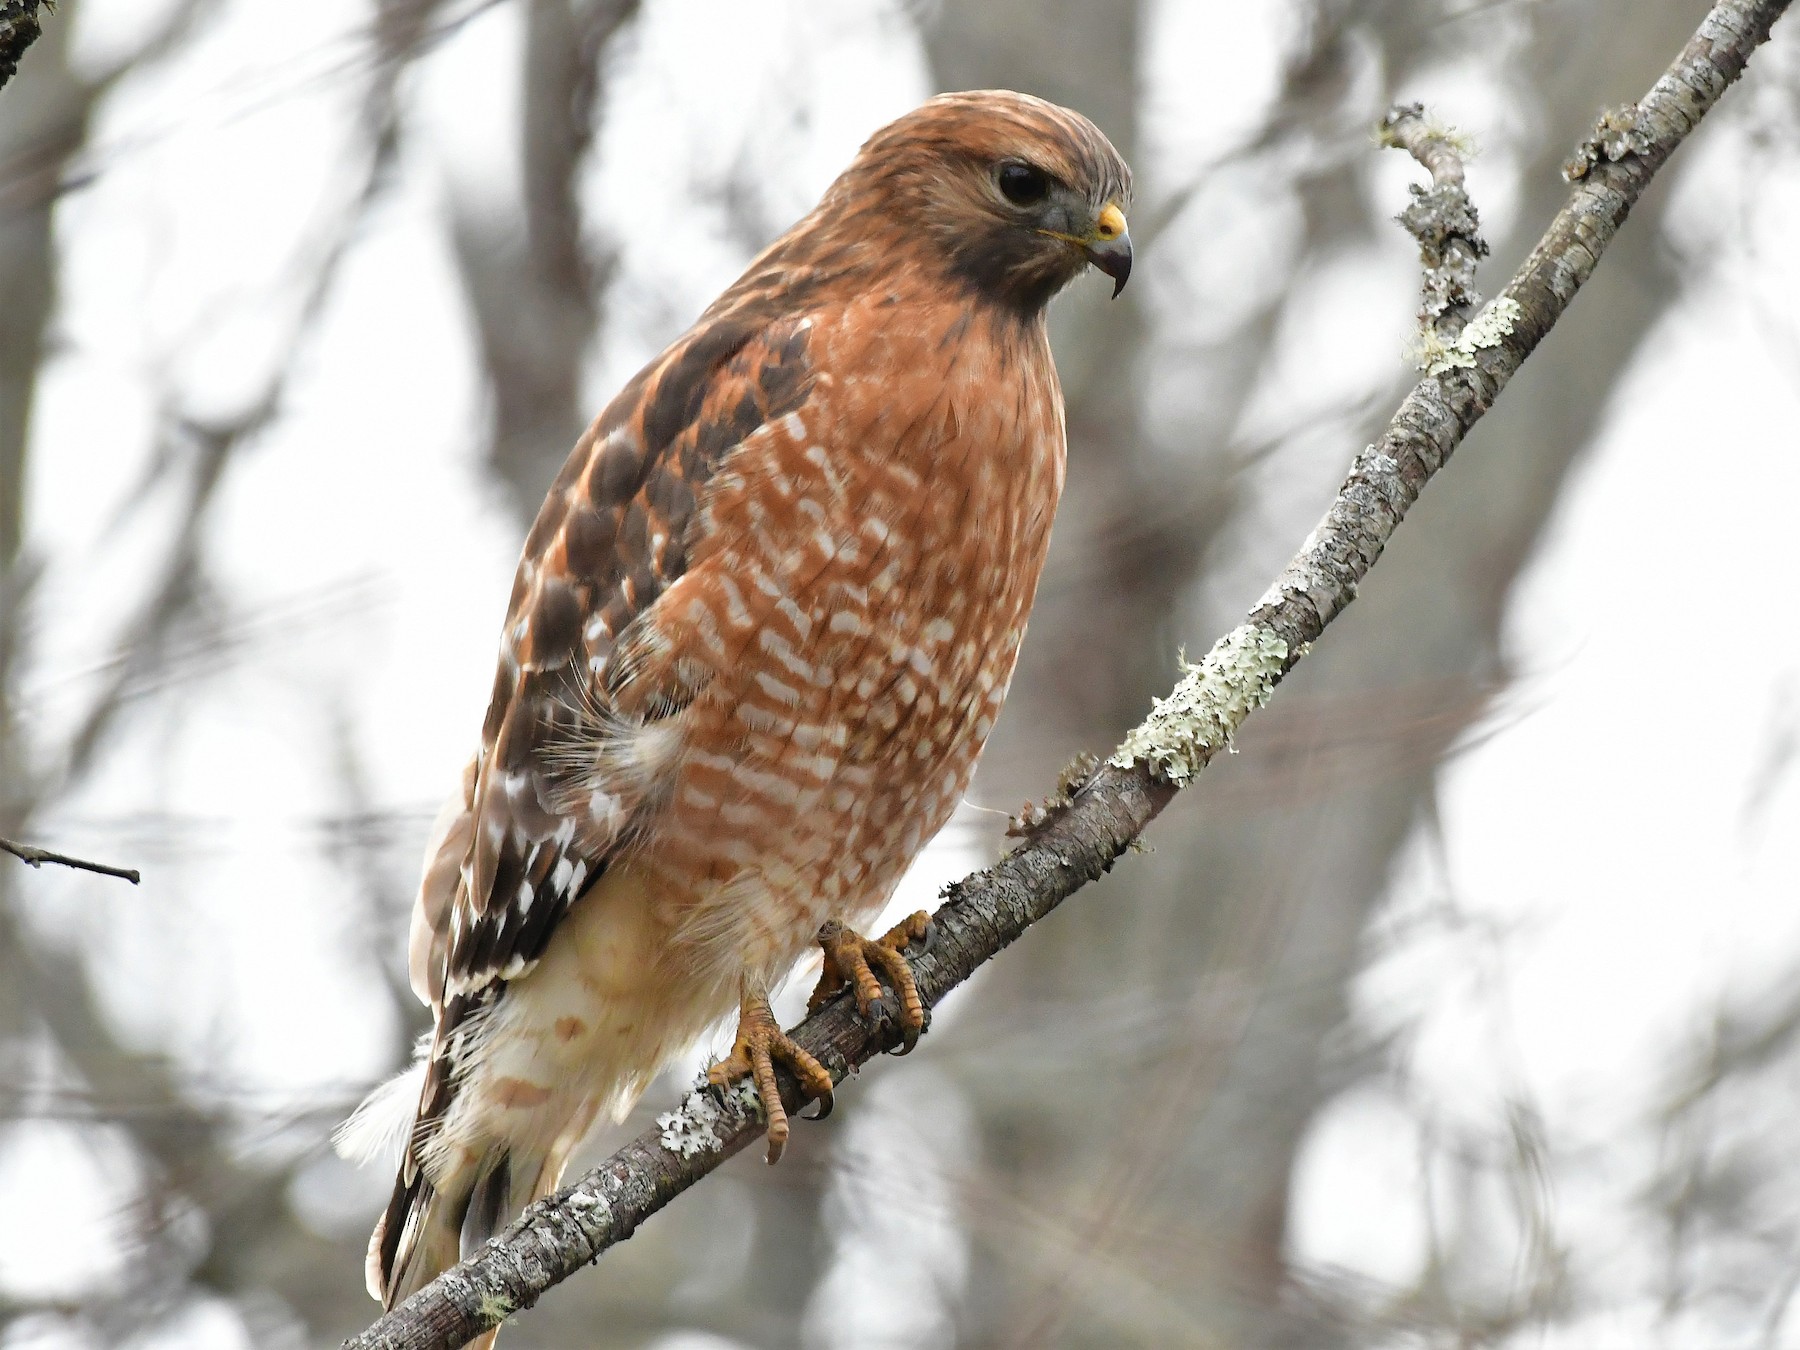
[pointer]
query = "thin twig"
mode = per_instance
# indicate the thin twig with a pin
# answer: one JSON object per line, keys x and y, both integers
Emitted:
{"x": 37, "y": 857}
{"x": 1075, "y": 845}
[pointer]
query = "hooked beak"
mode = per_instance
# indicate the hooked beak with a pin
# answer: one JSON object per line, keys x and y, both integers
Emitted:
{"x": 1109, "y": 247}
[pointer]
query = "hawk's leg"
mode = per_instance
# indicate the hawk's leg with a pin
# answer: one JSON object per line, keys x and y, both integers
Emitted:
{"x": 760, "y": 1042}
{"x": 851, "y": 961}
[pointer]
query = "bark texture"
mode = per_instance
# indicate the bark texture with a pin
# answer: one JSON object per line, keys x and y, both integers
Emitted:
{"x": 19, "y": 28}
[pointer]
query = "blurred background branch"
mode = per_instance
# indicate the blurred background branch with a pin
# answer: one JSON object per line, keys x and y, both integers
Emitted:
{"x": 37, "y": 857}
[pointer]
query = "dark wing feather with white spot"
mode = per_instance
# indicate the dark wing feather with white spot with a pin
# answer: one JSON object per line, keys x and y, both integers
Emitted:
{"x": 540, "y": 816}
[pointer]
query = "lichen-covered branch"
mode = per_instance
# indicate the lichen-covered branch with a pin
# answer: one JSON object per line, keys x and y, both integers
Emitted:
{"x": 1080, "y": 840}
{"x": 1202, "y": 713}
{"x": 1444, "y": 221}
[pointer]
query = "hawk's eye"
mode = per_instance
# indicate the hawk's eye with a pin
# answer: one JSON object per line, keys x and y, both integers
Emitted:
{"x": 1023, "y": 184}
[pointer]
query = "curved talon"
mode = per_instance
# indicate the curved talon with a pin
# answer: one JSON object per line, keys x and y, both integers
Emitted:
{"x": 910, "y": 932}
{"x": 852, "y": 962}
{"x": 928, "y": 941}
{"x": 760, "y": 1043}
{"x": 909, "y": 1039}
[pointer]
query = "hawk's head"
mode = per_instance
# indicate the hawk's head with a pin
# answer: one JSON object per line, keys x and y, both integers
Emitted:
{"x": 1014, "y": 194}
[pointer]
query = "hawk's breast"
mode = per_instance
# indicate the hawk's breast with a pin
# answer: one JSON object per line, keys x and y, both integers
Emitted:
{"x": 850, "y": 618}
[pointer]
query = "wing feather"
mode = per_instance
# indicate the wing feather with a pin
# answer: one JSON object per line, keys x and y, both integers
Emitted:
{"x": 538, "y": 837}
{"x": 568, "y": 754}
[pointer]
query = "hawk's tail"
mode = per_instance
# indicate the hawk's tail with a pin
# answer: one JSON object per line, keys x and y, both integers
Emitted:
{"x": 429, "y": 1228}
{"x": 430, "y": 1225}
{"x": 418, "y": 1238}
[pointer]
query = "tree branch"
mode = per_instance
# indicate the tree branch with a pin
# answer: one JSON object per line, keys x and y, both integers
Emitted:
{"x": 19, "y": 28}
{"x": 1443, "y": 220}
{"x": 1079, "y": 841}
{"x": 37, "y": 857}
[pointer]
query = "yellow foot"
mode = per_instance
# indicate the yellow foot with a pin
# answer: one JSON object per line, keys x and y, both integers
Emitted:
{"x": 851, "y": 959}
{"x": 760, "y": 1042}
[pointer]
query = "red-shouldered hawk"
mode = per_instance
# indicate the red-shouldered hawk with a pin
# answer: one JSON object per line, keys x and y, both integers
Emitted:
{"x": 761, "y": 630}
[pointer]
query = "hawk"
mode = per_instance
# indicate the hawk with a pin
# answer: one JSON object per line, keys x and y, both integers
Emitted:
{"x": 760, "y": 631}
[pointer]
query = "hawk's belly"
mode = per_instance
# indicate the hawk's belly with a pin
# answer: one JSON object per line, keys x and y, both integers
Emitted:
{"x": 807, "y": 786}
{"x": 844, "y": 688}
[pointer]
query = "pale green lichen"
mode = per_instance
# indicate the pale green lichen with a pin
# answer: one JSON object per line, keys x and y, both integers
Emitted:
{"x": 493, "y": 1309}
{"x": 1432, "y": 354}
{"x": 1464, "y": 144}
{"x": 695, "y": 1127}
{"x": 1492, "y": 326}
{"x": 1487, "y": 329}
{"x": 1204, "y": 711}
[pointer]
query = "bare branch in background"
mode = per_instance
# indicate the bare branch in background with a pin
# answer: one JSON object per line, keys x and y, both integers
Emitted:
{"x": 531, "y": 283}
{"x": 37, "y": 857}
{"x": 986, "y": 912}
{"x": 205, "y": 449}
{"x": 192, "y": 1154}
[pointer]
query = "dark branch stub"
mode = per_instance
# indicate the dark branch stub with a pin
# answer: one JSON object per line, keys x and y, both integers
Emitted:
{"x": 37, "y": 857}
{"x": 1079, "y": 840}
